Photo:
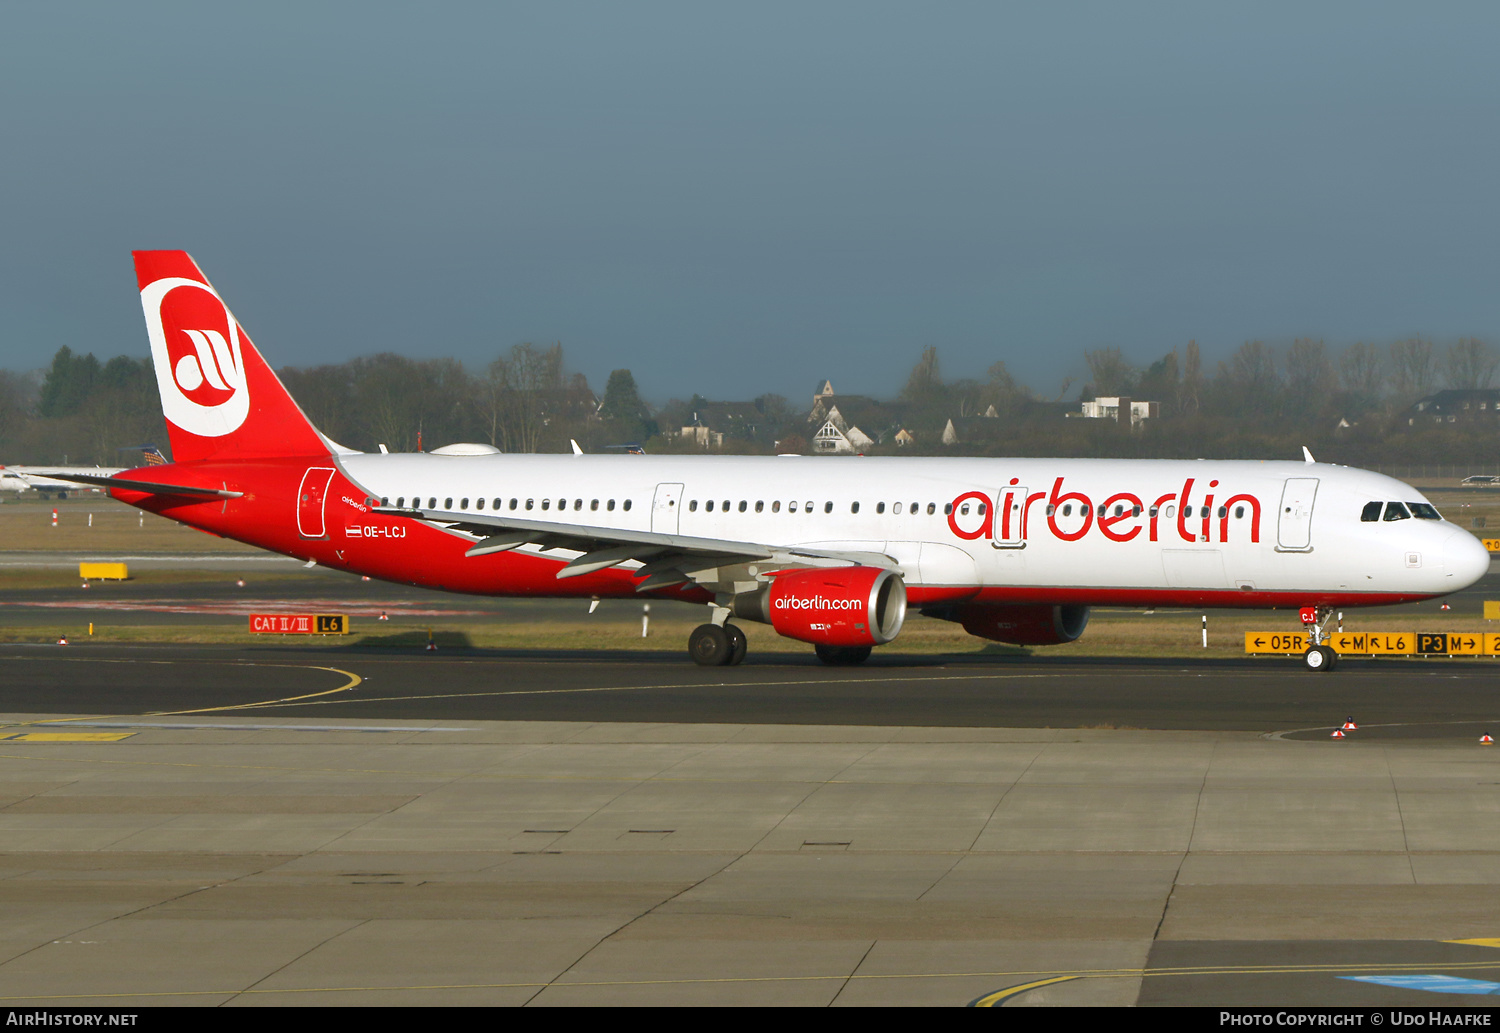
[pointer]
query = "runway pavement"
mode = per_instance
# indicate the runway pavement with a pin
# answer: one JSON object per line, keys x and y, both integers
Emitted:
{"x": 1440, "y": 701}
{"x": 314, "y": 824}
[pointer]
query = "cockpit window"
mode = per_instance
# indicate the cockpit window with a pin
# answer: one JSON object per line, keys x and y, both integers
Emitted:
{"x": 1396, "y": 511}
{"x": 1371, "y": 512}
{"x": 1424, "y": 511}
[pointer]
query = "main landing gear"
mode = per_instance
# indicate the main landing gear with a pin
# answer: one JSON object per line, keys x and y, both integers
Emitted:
{"x": 1319, "y": 657}
{"x": 713, "y": 645}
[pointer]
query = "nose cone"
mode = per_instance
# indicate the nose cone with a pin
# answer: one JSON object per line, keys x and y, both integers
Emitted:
{"x": 1465, "y": 560}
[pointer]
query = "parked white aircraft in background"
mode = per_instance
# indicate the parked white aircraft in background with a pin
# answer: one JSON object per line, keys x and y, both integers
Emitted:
{"x": 44, "y": 479}
{"x": 827, "y": 551}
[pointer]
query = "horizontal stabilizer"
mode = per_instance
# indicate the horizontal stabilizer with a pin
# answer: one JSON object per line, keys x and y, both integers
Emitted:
{"x": 147, "y": 486}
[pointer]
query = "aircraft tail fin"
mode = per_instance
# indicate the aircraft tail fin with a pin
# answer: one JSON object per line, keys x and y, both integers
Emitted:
{"x": 220, "y": 398}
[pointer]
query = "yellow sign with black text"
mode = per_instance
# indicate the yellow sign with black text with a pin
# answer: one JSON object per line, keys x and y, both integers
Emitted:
{"x": 1275, "y": 642}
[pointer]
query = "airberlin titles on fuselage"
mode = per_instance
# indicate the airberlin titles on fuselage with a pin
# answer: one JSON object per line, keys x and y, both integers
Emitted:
{"x": 1115, "y": 517}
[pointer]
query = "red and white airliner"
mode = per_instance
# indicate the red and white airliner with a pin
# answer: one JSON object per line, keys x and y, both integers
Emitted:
{"x": 831, "y": 552}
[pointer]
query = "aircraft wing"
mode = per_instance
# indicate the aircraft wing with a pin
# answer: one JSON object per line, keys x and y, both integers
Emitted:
{"x": 146, "y": 486}
{"x": 668, "y": 559}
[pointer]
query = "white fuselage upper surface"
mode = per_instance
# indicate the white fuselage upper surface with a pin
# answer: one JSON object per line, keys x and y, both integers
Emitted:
{"x": 1221, "y": 526}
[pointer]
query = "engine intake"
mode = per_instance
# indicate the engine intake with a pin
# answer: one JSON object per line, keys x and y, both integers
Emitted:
{"x": 846, "y": 606}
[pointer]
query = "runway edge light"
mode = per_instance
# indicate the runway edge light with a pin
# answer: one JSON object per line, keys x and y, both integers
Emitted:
{"x": 1338, "y": 733}
{"x": 1485, "y": 740}
{"x": 1349, "y": 725}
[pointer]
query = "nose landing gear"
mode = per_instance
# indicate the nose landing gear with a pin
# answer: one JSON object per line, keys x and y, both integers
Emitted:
{"x": 1318, "y": 657}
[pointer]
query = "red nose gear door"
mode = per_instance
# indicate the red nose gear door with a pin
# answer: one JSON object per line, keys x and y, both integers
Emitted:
{"x": 311, "y": 498}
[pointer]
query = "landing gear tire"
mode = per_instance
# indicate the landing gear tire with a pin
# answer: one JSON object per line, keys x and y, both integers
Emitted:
{"x": 1320, "y": 658}
{"x": 709, "y": 645}
{"x": 738, "y": 644}
{"x": 842, "y": 656}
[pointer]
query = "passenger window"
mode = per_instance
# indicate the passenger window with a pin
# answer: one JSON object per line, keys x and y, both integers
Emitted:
{"x": 807, "y": 508}
{"x": 562, "y": 503}
{"x": 776, "y": 507}
{"x": 1135, "y": 511}
{"x": 1051, "y": 510}
{"x": 1103, "y": 509}
{"x": 896, "y": 509}
{"x": 759, "y": 506}
{"x": 791, "y": 507}
{"x": 879, "y": 507}
{"x": 1370, "y": 513}
{"x": 578, "y": 504}
{"x": 513, "y": 504}
{"x": 693, "y": 506}
{"x": 709, "y": 506}
{"x": 743, "y": 505}
{"x": 1152, "y": 512}
{"x": 432, "y": 503}
{"x": 964, "y": 509}
{"x": 1068, "y": 509}
{"x": 1171, "y": 511}
{"x": 828, "y": 507}
{"x": 498, "y": 503}
{"x": 479, "y": 503}
{"x": 1239, "y": 512}
{"x": 448, "y": 504}
{"x": 1396, "y": 511}
{"x": 401, "y": 502}
{"x": 1223, "y": 512}
{"x": 463, "y": 503}
{"x": 546, "y": 503}
{"x": 983, "y": 508}
{"x": 1187, "y": 511}
{"x": 610, "y": 505}
{"x": 593, "y": 505}
{"x": 947, "y": 509}
{"x": 627, "y": 505}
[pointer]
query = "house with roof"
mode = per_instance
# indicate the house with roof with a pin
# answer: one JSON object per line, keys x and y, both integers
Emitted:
{"x": 1456, "y": 405}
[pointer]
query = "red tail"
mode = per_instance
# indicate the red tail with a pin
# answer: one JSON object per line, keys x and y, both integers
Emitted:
{"x": 221, "y": 399}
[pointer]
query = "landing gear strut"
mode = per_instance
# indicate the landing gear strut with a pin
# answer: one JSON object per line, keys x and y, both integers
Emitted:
{"x": 713, "y": 645}
{"x": 1319, "y": 657}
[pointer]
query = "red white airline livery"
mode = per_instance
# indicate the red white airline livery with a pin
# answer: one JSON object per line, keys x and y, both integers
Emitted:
{"x": 827, "y": 551}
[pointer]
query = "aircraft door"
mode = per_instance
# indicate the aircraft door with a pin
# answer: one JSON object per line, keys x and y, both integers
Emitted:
{"x": 1294, "y": 519}
{"x": 311, "y": 498}
{"x": 1010, "y": 511}
{"x": 665, "y": 507}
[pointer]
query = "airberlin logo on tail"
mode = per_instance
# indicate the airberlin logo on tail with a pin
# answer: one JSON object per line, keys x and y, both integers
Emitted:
{"x": 195, "y": 345}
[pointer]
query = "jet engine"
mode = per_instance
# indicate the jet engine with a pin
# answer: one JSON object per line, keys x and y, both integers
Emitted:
{"x": 843, "y": 606}
{"x": 1033, "y": 624}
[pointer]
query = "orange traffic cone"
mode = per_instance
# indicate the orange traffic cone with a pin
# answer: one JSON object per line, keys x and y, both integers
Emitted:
{"x": 1338, "y": 733}
{"x": 1349, "y": 725}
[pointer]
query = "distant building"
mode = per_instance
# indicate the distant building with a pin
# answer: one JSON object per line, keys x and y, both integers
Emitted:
{"x": 1456, "y": 406}
{"x": 1121, "y": 410}
{"x": 846, "y": 424}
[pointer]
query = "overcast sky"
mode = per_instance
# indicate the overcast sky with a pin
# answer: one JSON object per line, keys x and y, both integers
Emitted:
{"x": 737, "y": 198}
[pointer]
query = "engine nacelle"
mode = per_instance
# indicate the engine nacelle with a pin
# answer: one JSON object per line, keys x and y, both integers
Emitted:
{"x": 1024, "y": 625}
{"x": 843, "y": 606}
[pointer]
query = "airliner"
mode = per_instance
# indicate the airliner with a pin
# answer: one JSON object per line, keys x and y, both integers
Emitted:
{"x": 49, "y": 480}
{"x": 834, "y": 552}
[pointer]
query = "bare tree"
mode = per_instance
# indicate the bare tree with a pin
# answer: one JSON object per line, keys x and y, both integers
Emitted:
{"x": 1310, "y": 379}
{"x": 1112, "y": 373}
{"x": 1413, "y": 371}
{"x": 1362, "y": 372}
{"x": 1470, "y": 364}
